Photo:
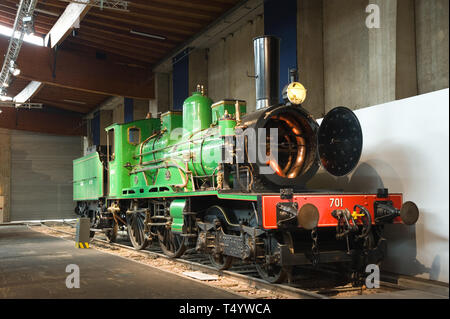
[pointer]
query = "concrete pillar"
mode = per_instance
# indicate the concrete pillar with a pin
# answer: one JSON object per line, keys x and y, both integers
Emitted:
{"x": 406, "y": 66}
{"x": 153, "y": 107}
{"x": 362, "y": 66}
{"x": 239, "y": 48}
{"x": 140, "y": 109}
{"x": 346, "y": 54}
{"x": 198, "y": 69}
{"x": 106, "y": 119}
{"x": 229, "y": 62}
{"x": 381, "y": 78}
{"x": 218, "y": 71}
{"x": 432, "y": 44}
{"x": 162, "y": 101}
{"x": 118, "y": 113}
{"x": 310, "y": 54}
{"x": 5, "y": 173}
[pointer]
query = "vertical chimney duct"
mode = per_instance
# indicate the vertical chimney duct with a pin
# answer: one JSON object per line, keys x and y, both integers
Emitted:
{"x": 267, "y": 70}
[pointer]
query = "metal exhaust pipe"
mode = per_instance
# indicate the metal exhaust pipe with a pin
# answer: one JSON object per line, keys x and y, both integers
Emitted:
{"x": 267, "y": 70}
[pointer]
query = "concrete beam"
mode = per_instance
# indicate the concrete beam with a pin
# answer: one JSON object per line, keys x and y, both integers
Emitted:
{"x": 71, "y": 17}
{"x": 28, "y": 92}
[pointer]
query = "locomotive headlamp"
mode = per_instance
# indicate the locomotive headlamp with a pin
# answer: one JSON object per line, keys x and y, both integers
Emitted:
{"x": 296, "y": 93}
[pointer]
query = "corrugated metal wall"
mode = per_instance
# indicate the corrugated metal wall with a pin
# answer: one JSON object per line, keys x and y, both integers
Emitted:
{"x": 41, "y": 175}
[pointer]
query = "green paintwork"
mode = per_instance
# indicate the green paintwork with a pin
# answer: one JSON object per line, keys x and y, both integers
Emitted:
{"x": 88, "y": 177}
{"x": 120, "y": 165}
{"x": 176, "y": 212}
{"x": 227, "y": 127}
{"x": 196, "y": 113}
{"x": 219, "y": 108}
{"x": 156, "y": 166}
{"x": 168, "y": 162}
{"x": 171, "y": 120}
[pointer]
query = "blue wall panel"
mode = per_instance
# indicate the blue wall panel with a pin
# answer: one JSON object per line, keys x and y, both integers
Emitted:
{"x": 95, "y": 129}
{"x": 128, "y": 110}
{"x": 180, "y": 79}
{"x": 280, "y": 19}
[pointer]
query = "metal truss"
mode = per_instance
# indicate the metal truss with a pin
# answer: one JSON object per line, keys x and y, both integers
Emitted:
{"x": 103, "y": 4}
{"x": 26, "y": 9}
{"x": 22, "y": 105}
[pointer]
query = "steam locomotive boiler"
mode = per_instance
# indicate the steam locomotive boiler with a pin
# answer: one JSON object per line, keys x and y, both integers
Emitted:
{"x": 233, "y": 185}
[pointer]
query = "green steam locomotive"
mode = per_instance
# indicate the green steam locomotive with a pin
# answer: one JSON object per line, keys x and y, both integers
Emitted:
{"x": 232, "y": 184}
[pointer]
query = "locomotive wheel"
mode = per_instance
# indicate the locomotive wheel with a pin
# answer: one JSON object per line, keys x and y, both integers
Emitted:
{"x": 221, "y": 262}
{"x": 273, "y": 273}
{"x": 111, "y": 235}
{"x": 136, "y": 227}
{"x": 216, "y": 214}
{"x": 171, "y": 243}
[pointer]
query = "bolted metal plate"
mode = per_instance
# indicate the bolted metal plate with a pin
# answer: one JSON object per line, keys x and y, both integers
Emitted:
{"x": 409, "y": 213}
{"x": 308, "y": 216}
{"x": 340, "y": 141}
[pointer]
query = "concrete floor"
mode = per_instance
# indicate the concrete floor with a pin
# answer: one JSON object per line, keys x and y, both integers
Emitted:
{"x": 33, "y": 265}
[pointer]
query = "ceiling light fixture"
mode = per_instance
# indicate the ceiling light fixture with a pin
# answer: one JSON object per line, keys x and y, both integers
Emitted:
{"x": 28, "y": 24}
{"x": 148, "y": 35}
{"x": 4, "y": 98}
{"x": 14, "y": 69}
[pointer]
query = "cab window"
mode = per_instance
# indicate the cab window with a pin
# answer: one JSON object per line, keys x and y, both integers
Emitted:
{"x": 134, "y": 135}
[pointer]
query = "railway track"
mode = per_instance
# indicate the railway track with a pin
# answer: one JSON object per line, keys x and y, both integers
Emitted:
{"x": 306, "y": 283}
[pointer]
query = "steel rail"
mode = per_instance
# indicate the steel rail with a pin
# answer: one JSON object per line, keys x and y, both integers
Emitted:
{"x": 194, "y": 262}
